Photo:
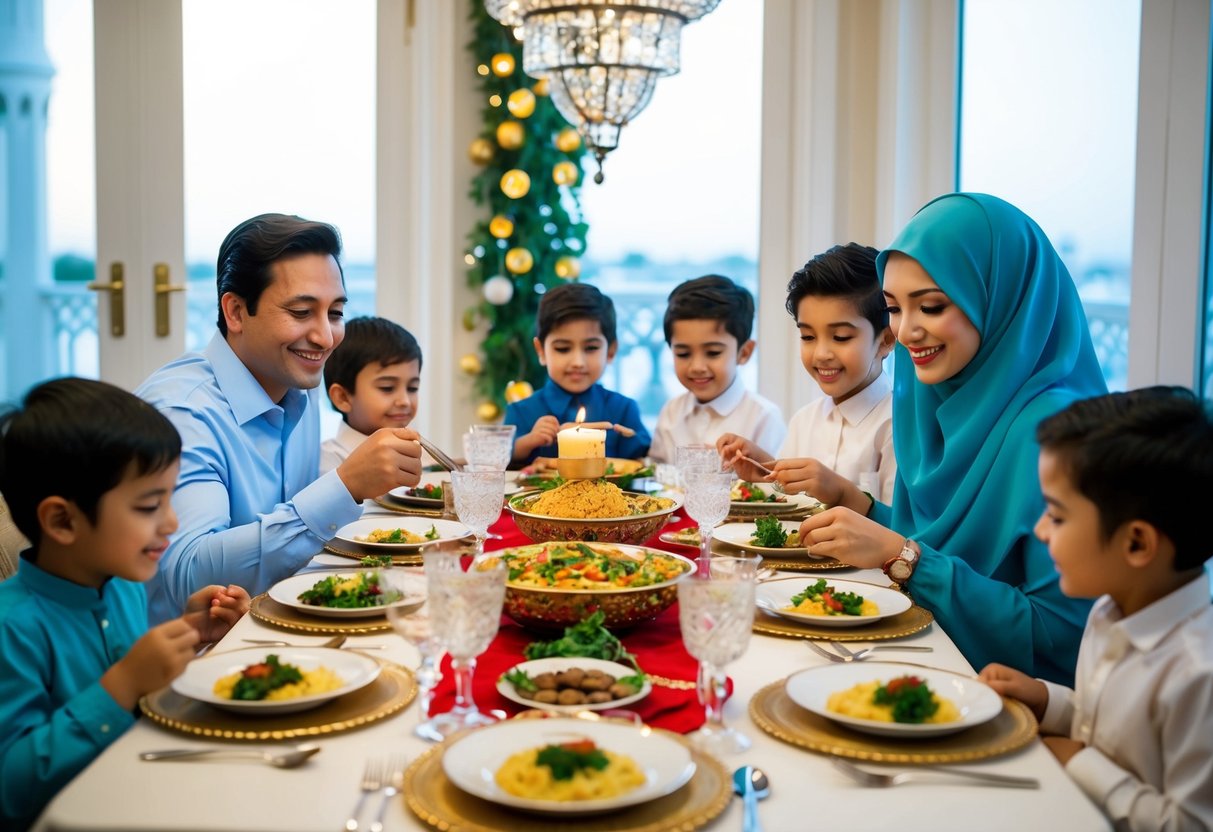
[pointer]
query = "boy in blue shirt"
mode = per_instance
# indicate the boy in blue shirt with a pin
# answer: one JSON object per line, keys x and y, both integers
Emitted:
{"x": 88, "y": 471}
{"x": 575, "y": 340}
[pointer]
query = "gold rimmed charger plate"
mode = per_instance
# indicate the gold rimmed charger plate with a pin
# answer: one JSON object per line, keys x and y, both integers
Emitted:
{"x": 442, "y": 805}
{"x": 390, "y": 693}
{"x": 392, "y": 504}
{"x": 266, "y": 609}
{"x": 776, "y": 714}
{"x": 913, "y": 620}
{"x": 334, "y": 547}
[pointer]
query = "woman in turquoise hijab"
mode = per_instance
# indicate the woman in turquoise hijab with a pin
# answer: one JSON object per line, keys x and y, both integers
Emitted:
{"x": 991, "y": 339}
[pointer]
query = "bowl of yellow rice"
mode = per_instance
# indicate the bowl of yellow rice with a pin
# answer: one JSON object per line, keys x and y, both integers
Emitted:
{"x": 590, "y": 510}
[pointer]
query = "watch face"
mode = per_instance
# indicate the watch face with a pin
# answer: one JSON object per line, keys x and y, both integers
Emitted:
{"x": 899, "y": 570}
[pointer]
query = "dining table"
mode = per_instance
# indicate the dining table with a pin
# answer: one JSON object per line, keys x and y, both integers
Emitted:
{"x": 119, "y": 791}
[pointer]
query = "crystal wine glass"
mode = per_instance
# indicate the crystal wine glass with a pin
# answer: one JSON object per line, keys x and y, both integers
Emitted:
{"x": 707, "y": 503}
{"x": 695, "y": 457}
{"x": 716, "y": 612}
{"x": 478, "y": 498}
{"x": 465, "y": 611}
{"x": 491, "y": 446}
{"x": 416, "y": 626}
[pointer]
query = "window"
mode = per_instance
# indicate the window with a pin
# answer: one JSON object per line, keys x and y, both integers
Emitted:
{"x": 1048, "y": 121}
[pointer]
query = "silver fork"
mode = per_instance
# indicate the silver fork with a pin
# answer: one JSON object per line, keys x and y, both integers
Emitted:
{"x": 856, "y": 655}
{"x": 872, "y": 778}
{"x": 826, "y": 654}
{"x": 395, "y": 770}
{"x": 372, "y": 781}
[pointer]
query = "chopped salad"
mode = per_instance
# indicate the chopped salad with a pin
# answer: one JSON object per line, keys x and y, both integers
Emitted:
{"x": 576, "y": 565}
{"x": 349, "y": 592}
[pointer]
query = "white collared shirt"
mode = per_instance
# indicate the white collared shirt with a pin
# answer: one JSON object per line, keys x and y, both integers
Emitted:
{"x": 853, "y": 439}
{"x": 334, "y": 451}
{"x": 1143, "y": 704}
{"x": 685, "y": 421}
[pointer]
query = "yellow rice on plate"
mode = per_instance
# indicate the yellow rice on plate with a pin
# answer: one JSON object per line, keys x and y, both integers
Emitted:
{"x": 320, "y": 680}
{"x": 858, "y": 702}
{"x": 521, "y": 776}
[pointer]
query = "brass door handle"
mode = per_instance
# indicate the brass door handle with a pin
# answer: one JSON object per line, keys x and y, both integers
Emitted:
{"x": 162, "y": 289}
{"x": 117, "y": 289}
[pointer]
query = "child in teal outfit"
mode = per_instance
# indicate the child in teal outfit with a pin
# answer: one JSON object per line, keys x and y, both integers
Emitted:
{"x": 88, "y": 471}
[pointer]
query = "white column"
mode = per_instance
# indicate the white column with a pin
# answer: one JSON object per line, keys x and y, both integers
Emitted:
{"x": 25, "y": 85}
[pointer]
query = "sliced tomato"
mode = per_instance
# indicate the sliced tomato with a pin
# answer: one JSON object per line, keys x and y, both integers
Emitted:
{"x": 579, "y": 746}
{"x": 827, "y": 598}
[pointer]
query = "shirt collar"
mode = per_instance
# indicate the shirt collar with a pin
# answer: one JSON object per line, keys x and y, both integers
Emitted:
{"x": 726, "y": 402}
{"x": 244, "y": 394}
{"x": 559, "y": 400}
{"x": 1147, "y": 627}
{"x": 855, "y": 409}
{"x": 62, "y": 591}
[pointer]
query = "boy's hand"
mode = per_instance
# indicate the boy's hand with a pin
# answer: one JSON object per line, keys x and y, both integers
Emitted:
{"x": 1063, "y": 748}
{"x": 1010, "y": 682}
{"x": 732, "y": 447}
{"x": 213, "y": 610}
{"x": 152, "y": 662}
{"x": 389, "y": 457}
{"x": 543, "y": 433}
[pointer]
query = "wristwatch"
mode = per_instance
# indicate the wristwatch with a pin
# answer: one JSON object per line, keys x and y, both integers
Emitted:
{"x": 901, "y": 567}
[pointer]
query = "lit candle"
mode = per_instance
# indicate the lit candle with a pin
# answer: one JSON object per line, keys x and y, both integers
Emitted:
{"x": 581, "y": 443}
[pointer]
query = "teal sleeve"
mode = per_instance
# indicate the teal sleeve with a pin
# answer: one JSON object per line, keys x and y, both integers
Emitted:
{"x": 1029, "y": 625}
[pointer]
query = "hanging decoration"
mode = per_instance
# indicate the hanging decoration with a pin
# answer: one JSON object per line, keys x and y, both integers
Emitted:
{"x": 530, "y": 224}
{"x": 601, "y": 58}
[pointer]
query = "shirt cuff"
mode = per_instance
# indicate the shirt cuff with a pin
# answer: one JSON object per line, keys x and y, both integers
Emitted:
{"x": 326, "y": 505}
{"x": 100, "y": 718}
{"x": 1100, "y": 779}
{"x": 1058, "y": 711}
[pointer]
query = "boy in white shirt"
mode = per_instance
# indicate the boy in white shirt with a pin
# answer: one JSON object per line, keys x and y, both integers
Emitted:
{"x": 372, "y": 379}
{"x": 1136, "y": 733}
{"x": 708, "y": 322}
{"x": 843, "y": 321}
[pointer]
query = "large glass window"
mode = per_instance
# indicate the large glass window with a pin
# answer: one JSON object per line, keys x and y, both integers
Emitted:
{"x": 1048, "y": 121}
{"x": 680, "y": 199}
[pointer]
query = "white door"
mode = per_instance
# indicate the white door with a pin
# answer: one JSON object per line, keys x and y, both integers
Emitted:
{"x": 140, "y": 187}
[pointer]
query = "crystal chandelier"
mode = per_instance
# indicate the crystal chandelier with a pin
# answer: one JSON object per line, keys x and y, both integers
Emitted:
{"x": 601, "y": 58}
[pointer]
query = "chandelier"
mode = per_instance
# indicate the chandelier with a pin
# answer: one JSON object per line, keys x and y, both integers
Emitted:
{"x": 601, "y": 58}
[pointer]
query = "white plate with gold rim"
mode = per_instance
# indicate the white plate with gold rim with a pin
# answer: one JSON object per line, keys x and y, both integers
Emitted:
{"x": 445, "y": 531}
{"x": 776, "y": 596}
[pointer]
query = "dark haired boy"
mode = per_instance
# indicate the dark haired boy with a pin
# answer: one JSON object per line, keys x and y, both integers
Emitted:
{"x": 88, "y": 470}
{"x": 841, "y": 316}
{"x": 1136, "y": 733}
{"x": 372, "y": 379}
{"x": 708, "y": 321}
{"x": 252, "y": 508}
{"x": 575, "y": 340}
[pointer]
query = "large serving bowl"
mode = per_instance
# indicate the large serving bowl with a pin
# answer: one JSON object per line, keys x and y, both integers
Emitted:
{"x": 552, "y": 608}
{"x": 650, "y": 515}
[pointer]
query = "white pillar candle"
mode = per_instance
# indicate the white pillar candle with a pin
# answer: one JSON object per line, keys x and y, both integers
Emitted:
{"x": 581, "y": 443}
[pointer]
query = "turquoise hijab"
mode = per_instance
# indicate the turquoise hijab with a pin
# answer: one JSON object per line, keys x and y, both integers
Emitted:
{"x": 966, "y": 448}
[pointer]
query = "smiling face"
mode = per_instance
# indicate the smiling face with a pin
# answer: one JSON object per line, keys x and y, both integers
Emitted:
{"x": 706, "y": 356}
{"x": 838, "y": 345}
{"x": 299, "y": 322}
{"x": 134, "y": 521}
{"x": 939, "y": 336}
{"x": 384, "y": 396}
{"x": 1088, "y": 565}
{"x": 575, "y": 354}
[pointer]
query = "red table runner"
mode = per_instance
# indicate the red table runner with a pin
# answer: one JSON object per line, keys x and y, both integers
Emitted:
{"x": 657, "y": 645}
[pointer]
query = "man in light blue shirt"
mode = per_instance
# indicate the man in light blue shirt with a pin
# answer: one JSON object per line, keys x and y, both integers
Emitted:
{"x": 251, "y": 506}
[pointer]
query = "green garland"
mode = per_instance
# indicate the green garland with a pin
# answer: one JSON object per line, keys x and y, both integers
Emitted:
{"x": 547, "y": 220}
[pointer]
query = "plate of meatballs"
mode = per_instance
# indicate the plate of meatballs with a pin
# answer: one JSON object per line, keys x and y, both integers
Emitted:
{"x": 573, "y": 684}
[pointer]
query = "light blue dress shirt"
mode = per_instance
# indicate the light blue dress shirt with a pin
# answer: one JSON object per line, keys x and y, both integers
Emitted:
{"x": 57, "y": 639}
{"x": 601, "y": 405}
{"x": 251, "y": 508}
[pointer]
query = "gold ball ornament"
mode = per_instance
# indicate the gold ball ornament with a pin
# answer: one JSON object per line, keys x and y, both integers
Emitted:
{"x": 487, "y": 411}
{"x": 470, "y": 364}
{"x": 502, "y": 64}
{"x": 564, "y": 173}
{"x": 469, "y": 319}
{"x": 541, "y": 87}
{"x": 501, "y": 226}
{"x": 521, "y": 103}
{"x": 519, "y": 260}
{"x": 481, "y": 151}
{"x": 510, "y": 134}
{"x": 515, "y": 183}
{"x": 568, "y": 268}
{"x": 516, "y": 391}
{"x": 568, "y": 140}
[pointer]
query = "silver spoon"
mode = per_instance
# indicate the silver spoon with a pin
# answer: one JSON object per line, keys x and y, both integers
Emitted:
{"x": 752, "y": 784}
{"x": 281, "y": 759}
